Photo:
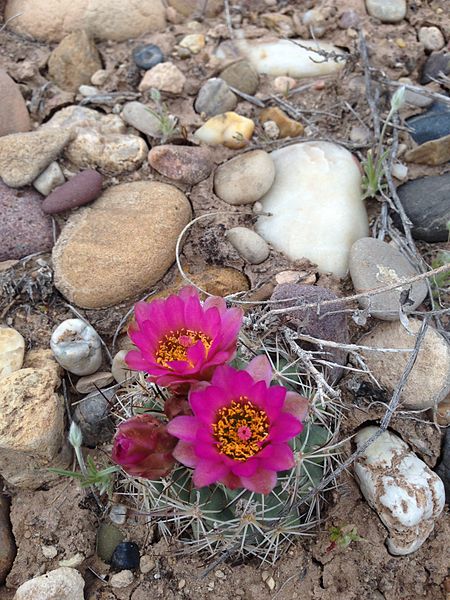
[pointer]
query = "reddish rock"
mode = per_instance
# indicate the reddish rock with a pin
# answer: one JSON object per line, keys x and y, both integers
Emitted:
{"x": 24, "y": 227}
{"x": 187, "y": 164}
{"x": 81, "y": 189}
{"x": 14, "y": 115}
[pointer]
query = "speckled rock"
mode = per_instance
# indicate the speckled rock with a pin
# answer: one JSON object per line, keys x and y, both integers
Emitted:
{"x": 429, "y": 380}
{"x": 49, "y": 179}
{"x": 215, "y": 98}
{"x": 148, "y": 56}
{"x": 61, "y": 584}
{"x": 388, "y": 11}
{"x": 74, "y": 61}
{"x": 24, "y": 227}
{"x": 431, "y": 38}
{"x": 14, "y": 115}
{"x": 118, "y": 20}
{"x": 78, "y": 118}
{"x": 407, "y": 496}
{"x": 84, "y": 187}
{"x": 165, "y": 77}
{"x": 12, "y": 351}
{"x": 186, "y": 164}
{"x": 121, "y": 245}
{"x": 375, "y": 264}
{"x": 7, "y": 543}
{"x": 23, "y": 156}
{"x": 316, "y": 322}
{"x": 242, "y": 76}
{"x": 244, "y": 179}
{"x": 249, "y": 245}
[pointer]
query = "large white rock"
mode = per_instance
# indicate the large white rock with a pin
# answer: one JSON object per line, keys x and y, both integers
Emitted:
{"x": 315, "y": 205}
{"x": 406, "y": 494}
{"x": 61, "y": 584}
{"x": 12, "y": 351}
{"x": 77, "y": 347}
{"x": 285, "y": 57}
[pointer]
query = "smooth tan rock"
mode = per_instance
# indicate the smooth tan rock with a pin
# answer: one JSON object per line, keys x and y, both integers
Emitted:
{"x": 61, "y": 584}
{"x": 189, "y": 8}
{"x": 121, "y": 245}
{"x": 248, "y": 244}
{"x": 91, "y": 383}
{"x": 429, "y": 381}
{"x": 165, "y": 77}
{"x": 245, "y": 178}
{"x": 52, "y": 20}
{"x": 14, "y": 115}
{"x": 434, "y": 152}
{"x": 119, "y": 367}
{"x": 287, "y": 126}
{"x": 73, "y": 62}
{"x": 242, "y": 76}
{"x": 230, "y": 129}
{"x": 23, "y": 156}
{"x": 12, "y": 351}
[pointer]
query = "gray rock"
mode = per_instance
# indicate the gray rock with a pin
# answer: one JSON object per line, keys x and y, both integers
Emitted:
{"x": 249, "y": 245}
{"x": 427, "y": 204}
{"x": 23, "y": 156}
{"x": 430, "y": 125}
{"x": 215, "y": 98}
{"x": 49, "y": 179}
{"x": 375, "y": 264}
{"x": 437, "y": 64}
{"x": 93, "y": 416}
{"x": 242, "y": 76}
{"x": 141, "y": 118}
{"x": 316, "y": 323}
{"x": 443, "y": 469}
{"x": 7, "y": 544}
{"x": 431, "y": 38}
{"x": 148, "y": 56}
{"x": 388, "y": 11}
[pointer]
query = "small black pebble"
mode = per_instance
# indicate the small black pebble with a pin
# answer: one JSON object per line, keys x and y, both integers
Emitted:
{"x": 125, "y": 556}
{"x": 148, "y": 56}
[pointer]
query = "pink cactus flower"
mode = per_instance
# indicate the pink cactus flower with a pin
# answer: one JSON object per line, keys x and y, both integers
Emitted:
{"x": 143, "y": 447}
{"x": 240, "y": 428}
{"x": 180, "y": 340}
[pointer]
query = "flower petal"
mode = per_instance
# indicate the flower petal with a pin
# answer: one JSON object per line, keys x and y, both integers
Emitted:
{"x": 277, "y": 457}
{"x": 260, "y": 369}
{"x": 244, "y": 469}
{"x": 184, "y": 428}
{"x": 262, "y": 482}
{"x": 285, "y": 428}
{"x": 184, "y": 453}
{"x": 135, "y": 361}
{"x": 296, "y": 405}
{"x": 208, "y": 472}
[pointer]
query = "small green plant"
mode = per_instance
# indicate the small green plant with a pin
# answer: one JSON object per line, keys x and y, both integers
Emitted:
{"x": 373, "y": 165}
{"x": 441, "y": 281}
{"x": 168, "y": 124}
{"x": 343, "y": 536}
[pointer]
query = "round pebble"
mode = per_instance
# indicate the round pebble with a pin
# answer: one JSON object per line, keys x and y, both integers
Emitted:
{"x": 187, "y": 164}
{"x": 431, "y": 38}
{"x": 215, "y": 98}
{"x": 248, "y": 244}
{"x": 119, "y": 367}
{"x": 245, "y": 178}
{"x": 77, "y": 347}
{"x": 146, "y": 57}
{"x": 81, "y": 189}
{"x": 126, "y": 556}
{"x": 242, "y": 76}
{"x": 108, "y": 538}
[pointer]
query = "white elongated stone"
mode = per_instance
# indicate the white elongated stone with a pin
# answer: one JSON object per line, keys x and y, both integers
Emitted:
{"x": 405, "y": 493}
{"x": 315, "y": 205}
{"x": 12, "y": 350}
{"x": 285, "y": 57}
{"x": 49, "y": 179}
{"x": 77, "y": 347}
{"x": 249, "y": 244}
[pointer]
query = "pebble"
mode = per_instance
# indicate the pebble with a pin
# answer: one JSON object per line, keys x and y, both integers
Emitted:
{"x": 7, "y": 543}
{"x": 428, "y": 382}
{"x": 148, "y": 56}
{"x": 118, "y": 514}
{"x": 320, "y": 325}
{"x": 49, "y": 552}
{"x": 271, "y": 130}
{"x": 245, "y": 178}
{"x": 63, "y": 583}
{"x": 122, "y": 579}
{"x": 431, "y": 124}
{"x": 105, "y": 20}
{"x": 229, "y": 129}
{"x": 283, "y": 84}
{"x": 79, "y": 118}
{"x": 388, "y": 11}
{"x": 443, "y": 468}
{"x": 74, "y": 61}
{"x": 349, "y": 19}
{"x": 427, "y": 204}
{"x": 108, "y": 538}
{"x": 49, "y": 179}
{"x": 84, "y": 187}
{"x": 400, "y": 171}
{"x": 242, "y": 76}
{"x": 99, "y": 77}
{"x": 14, "y": 115}
{"x": 186, "y": 164}
{"x": 431, "y": 38}
{"x": 73, "y": 561}
{"x": 125, "y": 556}
{"x": 215, "y": 98}
{"x": 165, "y": 77}
{"x": 190, "y": 7}
{"x": 194, "y": 42}
{"x": 407, "y": 496}
{"x": 119, "y": 367}
{"x": 12, "y": 351}
{"x": 249, "y": 245}
{"x": 87, "y": 90}
{"x": 147, "y": 564}
{"x": 360, "y": 135}
{"x": 91, "y": 383}
{"x": 375, "y": 264}
{"x": 77, "y": 347}
{"x": 284, "y": 57}
{"x": 415, "y": 98}
{"x": 93, "y": 415}
{"x": 315, "y": 205}
{"x": 141, "y": 118}
{"x": 24, "y": 156}
{"x": 93, "y": 254}
{"x": 433, "y": 153}
{"x": 24, "y": 228}
{"x": 443, "y": 412}
{"x": 438, "y": 63}
{"x": 287, "y": 127}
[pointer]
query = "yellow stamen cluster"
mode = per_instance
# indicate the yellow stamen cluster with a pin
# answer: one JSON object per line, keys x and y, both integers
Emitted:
{"x": 175, "y": 344}
{"x": 240, "y": 429}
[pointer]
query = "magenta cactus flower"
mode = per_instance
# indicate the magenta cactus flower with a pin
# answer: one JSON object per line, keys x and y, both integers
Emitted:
{"x": 240, "y": 429}
{"x": 143, "y": 447}
{"x": 180, "y": 340}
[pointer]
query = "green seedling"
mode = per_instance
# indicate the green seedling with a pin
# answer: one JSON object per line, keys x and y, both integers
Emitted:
{"x": 343, "y": 537}
{"x": 168, "y": 124}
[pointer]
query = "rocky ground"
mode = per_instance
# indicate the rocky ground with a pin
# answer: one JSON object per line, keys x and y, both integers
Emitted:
{"x": 119, "y": 125}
